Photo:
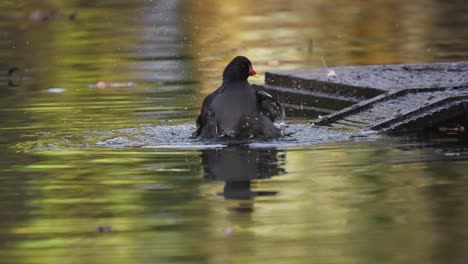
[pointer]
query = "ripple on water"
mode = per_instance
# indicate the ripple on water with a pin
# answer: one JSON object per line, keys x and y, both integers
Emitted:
{"x": 179, "y": 137}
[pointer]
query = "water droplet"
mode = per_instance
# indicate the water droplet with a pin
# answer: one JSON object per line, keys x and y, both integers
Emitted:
{"x": 228, "y": 231}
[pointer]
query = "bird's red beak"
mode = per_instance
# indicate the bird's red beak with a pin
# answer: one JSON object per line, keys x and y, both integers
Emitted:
{"x": 252, "y": 72}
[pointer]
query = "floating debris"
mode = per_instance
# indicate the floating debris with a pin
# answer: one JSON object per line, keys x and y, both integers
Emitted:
{"x": 330, "y": 73}
{"x": 104, "y": 85}
{"x": 41, "y": 15}
{"x": 56, "y": 90}
{"x": 104, "y": 229}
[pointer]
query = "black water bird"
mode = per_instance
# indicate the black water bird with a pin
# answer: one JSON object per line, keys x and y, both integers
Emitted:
{"x": 236, "y": 110}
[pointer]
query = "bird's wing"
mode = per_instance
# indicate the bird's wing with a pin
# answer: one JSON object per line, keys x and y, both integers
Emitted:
{"x": 269, "y": 106}
{"x": 205, "y": 112}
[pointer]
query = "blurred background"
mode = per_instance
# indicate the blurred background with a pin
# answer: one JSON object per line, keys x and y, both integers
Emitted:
{"x": 193, "y": 40}
{"x": 119, "y": 71}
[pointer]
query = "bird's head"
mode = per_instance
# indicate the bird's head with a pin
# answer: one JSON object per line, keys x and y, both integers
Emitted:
{"x": 239, "y": 69}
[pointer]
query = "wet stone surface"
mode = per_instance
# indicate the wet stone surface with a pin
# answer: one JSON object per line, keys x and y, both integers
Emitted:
{"x": 402, "y": 107}
{"x": 386, "y": 97}
{"x": 379, "y": 77}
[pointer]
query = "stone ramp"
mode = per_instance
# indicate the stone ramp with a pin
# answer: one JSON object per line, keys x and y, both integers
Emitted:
{"x": 403, "y": 109}
{"x": 379, "y": 97}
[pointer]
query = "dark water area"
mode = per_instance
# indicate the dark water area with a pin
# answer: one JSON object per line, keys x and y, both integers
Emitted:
{"x": 97, "y": 164}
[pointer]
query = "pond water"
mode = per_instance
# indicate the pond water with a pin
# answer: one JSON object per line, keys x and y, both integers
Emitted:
{"x": 98, "y": 166}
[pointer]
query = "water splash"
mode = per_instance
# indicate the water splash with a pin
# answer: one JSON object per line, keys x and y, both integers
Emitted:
{"x": 179, "y": 137}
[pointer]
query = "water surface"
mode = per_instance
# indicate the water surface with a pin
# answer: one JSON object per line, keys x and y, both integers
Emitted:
{"x": 110, "y": 175}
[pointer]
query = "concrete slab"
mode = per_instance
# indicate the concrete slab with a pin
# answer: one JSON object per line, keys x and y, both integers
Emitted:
{"x": 369, "y": 81}
{"x": 381, "y": 98}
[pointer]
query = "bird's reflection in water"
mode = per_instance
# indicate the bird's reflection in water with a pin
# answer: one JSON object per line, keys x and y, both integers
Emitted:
{"x": 241, "y": 168}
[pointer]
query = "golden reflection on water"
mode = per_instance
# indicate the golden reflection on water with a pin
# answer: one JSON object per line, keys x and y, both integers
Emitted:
{"x": 332, "y": 209}
{"x": 297, "y": 33}
{"x": 354, "y": 202}
{"x": 343, "y": 203}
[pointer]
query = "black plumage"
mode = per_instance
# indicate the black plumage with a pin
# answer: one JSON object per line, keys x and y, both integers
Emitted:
{"x": 236, "y": 110}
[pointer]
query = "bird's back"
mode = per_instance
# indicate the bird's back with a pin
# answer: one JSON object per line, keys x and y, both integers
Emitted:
{"x": 231, "y": 106}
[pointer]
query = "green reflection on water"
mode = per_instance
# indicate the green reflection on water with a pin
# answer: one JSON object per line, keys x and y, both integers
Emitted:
{"x": 354, "y": 202}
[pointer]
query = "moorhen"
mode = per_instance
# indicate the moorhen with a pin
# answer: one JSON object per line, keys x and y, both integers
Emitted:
{"x": 236, "y": 110}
